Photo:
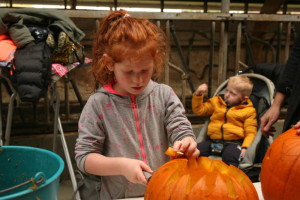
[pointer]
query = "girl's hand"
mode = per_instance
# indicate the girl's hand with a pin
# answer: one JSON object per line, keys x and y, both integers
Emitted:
{"x": 202, "y": 88}
{"x": 133, "y": 170}
{"x": 188, "y": 146}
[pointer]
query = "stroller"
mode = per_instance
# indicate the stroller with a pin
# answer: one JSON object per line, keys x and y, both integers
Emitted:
{"x": 262, "y": 97}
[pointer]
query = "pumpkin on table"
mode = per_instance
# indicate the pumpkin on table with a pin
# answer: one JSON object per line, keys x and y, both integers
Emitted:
{"x": 200, "y": 178}
{"x": 280, "y": 171}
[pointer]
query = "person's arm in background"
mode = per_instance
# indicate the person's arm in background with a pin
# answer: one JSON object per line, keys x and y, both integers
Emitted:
{"x": 272, "y": 115}
{"x": 284, "y": 88}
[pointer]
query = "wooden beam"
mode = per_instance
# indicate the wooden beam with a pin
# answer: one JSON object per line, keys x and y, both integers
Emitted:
{"x": 96, "y": 14}
{"x": 190, "y": 16}
{"x": 238, "y": 47}
{"x": 73, "y": 4}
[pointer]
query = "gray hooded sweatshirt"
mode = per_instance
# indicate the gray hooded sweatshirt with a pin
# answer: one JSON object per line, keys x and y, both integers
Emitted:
{"x": 137, "y": 127}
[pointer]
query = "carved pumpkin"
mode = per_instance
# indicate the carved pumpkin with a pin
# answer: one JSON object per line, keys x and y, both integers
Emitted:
{"x": 200, "y": 178}
{"x": 280, "y": 171}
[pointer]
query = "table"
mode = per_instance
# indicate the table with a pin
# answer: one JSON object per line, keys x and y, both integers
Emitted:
{"x": 257, "y": 186}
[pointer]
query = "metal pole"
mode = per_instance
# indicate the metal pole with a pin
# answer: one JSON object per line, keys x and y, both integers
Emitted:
{"x": 280, "y": 25}
{"x": 67, "y": 100}
{"x": 162, "y": 5}
{"x": 1, "y": 131}
{"x": 288, "y": 40}
{"x": 115, "y": 4}
{"x": 167, "y": 69}
{"x": 238, "y": 46}
{"x": 223, "y": 44}
{"x": 225, "y": 6}
{"x": 211, "y": 56}
{"x": 248, "y": 47}
{"x": 186, "y": 69}
{"x": 9, "y": 117}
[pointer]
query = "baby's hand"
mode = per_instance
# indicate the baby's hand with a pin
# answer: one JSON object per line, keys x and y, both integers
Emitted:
{"x": 202, "y": 88}
{"x": 133, "y": 170}
{"x": 243, "y": 152}
{"x": 188, "y": 146}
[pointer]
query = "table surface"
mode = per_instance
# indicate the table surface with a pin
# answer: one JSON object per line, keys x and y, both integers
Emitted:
{"x": 256, "y": 185}
{"x": 258, "y": 189}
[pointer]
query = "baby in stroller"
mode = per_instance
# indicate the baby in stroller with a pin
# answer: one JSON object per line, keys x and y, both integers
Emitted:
{"x": 233, "y": 121}
{"x": 262, "y": 98}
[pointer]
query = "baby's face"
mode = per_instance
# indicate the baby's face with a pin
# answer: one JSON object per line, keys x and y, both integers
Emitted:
{"x": 232, "y": 95}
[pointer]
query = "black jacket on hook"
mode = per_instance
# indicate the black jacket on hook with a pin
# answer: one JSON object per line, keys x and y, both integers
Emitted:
{"x": 31, "y": 74}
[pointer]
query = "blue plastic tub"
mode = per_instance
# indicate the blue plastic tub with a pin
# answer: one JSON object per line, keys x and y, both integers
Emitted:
{"x": 40, "y": 169}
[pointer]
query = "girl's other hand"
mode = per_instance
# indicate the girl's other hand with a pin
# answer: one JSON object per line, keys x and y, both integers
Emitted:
{"x": 188, "y": 146}
{"x": 133, "y": 170}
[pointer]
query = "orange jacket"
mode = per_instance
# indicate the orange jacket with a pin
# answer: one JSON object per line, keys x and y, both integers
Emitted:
{"x": 234, "y": 123}
{"x": 7, "y": 48}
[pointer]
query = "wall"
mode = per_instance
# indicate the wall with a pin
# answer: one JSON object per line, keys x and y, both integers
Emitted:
{"x": 197, "y": 56}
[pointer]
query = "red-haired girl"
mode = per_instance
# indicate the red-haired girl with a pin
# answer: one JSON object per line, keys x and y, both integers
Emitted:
{"x": 129, "y": 122}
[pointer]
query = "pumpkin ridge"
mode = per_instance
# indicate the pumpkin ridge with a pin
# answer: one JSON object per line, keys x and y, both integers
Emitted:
{"x": 231, "y": 190}
{"x": 292, "y": 143}
{"x": 252, "y": 188}
{"x": 174, "y": 177}
{"x": 291, "y": 164}
{"x": 210, "y": 181}
{"x": 289, "y": 176}
{"x": 243, "y": 180}
{"x": 180, "y": 184}
{"x": 188, "y": 185}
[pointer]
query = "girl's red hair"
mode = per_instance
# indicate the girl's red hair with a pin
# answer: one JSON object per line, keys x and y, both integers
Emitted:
{"x": 120, "y": 36}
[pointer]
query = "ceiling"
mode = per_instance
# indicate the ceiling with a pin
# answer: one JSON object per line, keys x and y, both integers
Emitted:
{"x": 162, "y": 5}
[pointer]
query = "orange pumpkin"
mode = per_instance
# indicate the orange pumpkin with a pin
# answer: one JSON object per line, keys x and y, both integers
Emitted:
{"x": 200, "y": 178}
{"x": 280, "y": 171}
{"x": 170, "y": 152}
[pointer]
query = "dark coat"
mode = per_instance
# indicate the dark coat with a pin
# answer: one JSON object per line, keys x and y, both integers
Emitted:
{"x": 289, "y": 84}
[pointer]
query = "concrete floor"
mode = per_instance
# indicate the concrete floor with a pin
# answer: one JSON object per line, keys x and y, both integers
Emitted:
{"x": 65, "y": 191}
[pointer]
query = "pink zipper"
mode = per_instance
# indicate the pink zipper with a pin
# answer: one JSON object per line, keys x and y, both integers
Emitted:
{"x": 133, "y": 105}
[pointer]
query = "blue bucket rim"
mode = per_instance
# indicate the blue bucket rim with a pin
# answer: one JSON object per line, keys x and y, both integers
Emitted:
{"x": 48, "y": 181}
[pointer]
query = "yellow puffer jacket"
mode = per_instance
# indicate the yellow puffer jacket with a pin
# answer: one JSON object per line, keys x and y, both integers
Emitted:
{"x": 234, "y": 123}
